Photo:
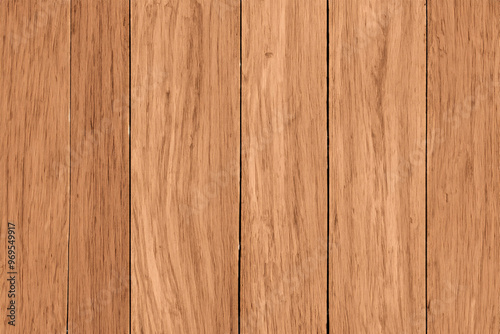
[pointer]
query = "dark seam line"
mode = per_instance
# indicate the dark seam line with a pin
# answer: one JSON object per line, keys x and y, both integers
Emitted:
{"x": 426, "y": 152}
{"x": 70, "y": 149}
{"x": 239, "y": 209}
{"x": 328, "y": 165}
{"x": 130, "y": 162}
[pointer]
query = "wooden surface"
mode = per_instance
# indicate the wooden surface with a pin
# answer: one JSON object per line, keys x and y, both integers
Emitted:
{"x": 99, "y": 220}
{"x": 463, "y": 167}
{"x": 284, "y": 182}
{"x": 34, "y": 179}
{"x": 227, "y": 166}
{"x": 185, "y": 167}
{"x": 377, "y": 157}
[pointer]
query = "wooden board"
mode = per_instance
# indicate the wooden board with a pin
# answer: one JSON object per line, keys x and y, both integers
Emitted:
{"x": 284, "y": 167}
{"x": 463, "y": 167}
{"x": 355, "y": 159}
{"x": 34, "y": 178}
{"x": 99, "y": 219}
{"x": 185, "y": 166}
{"x": 377, "y": 166}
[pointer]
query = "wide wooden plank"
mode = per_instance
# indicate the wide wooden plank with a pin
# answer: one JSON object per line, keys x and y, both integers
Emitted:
{"x": 463, "y": 167}
{"x": 99, "y": 219}
{"x": 377, "y": 166}
{"x": 34, "y": 178}
{"x": 284, "y": 167}
{"x": 185, "y": 166}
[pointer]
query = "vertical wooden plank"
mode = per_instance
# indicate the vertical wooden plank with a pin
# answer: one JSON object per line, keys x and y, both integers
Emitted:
{"x": 377, "y": 155}
{"x": 185, "y": 166}
{"x": 463, "y": 167}
{"x": 34, "y": 183}
{"x": 284, "y": 167}
{"x": 99, "y": 225}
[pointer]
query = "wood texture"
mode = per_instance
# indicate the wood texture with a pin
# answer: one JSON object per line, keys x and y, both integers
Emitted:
{"x": 185, "y": 166}
{"x": 99, "y": 219}
{"x": 34, "y": 179}
{"x": 463, "y": 167}
{"x": 284, "y": 167}
{"x": 273, "y": 121}
{"x": 377, "y": 156}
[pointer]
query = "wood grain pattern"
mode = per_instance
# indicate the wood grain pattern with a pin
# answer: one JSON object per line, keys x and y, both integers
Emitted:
{"x": 233, "y": 127}
{"x": 284, "y": 167}
{"x": 185, "y": 166}
{"x": 377, "y": 154}
{"x": 99, "y": 225}
{"x": 34, "y": 180}
{"x": 463, "y": 167}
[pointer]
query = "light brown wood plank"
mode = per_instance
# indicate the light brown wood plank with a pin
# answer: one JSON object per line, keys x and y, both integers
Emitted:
{"x": 284, "y": 167}
{"x": 185, "y": 166}
{"x": 34, "y": 179}
{"x": 463, "y": 167}
{"x": 377, "y": 171}
{"x": 99, "y": 225}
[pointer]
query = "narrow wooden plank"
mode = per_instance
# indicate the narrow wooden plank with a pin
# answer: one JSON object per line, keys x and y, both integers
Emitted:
{"x": 377, "y": 156}
{"x": 185, "y": 166}
{"x": 34, "y": 180}
{"x": 99, "y": 225}
{"x": 463, "y": 167}
{"x": 284, "y": 167}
